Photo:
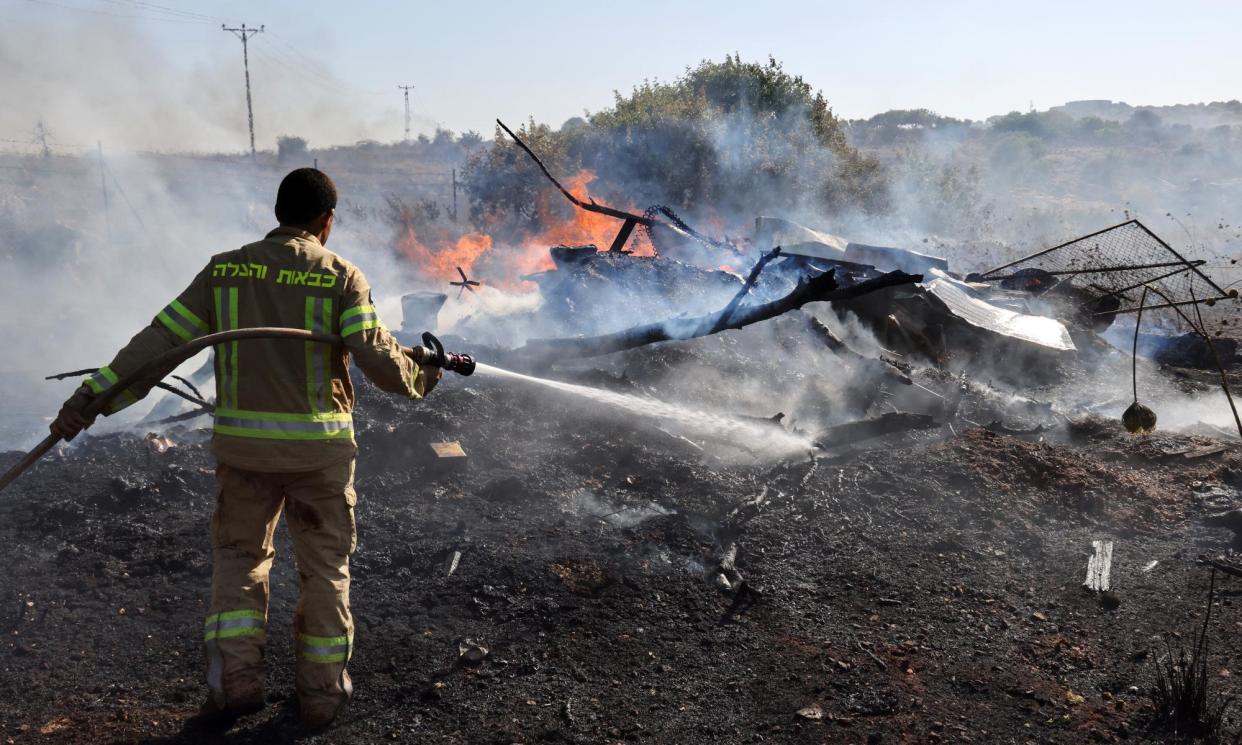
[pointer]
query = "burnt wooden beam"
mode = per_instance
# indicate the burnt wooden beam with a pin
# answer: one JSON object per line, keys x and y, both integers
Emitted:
{"x": 588, "y": 205}
{"x": 747, "y": 286}
{"x": 818, "y": 289}
{"x": 623, "y": 235}
{"x": 868, "y": 428}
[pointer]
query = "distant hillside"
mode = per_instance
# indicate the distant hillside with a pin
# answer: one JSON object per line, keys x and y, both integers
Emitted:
{"x": 1198, "y": 115}
{"x": 1036, "y": 178}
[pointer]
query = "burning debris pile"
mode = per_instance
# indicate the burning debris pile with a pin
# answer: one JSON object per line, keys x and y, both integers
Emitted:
{"x": 832, "y": 491}
{"x": 1052, "y": 320}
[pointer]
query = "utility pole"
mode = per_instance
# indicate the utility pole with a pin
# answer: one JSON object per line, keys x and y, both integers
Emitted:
{"x": 406, "y": 89}
{"x": 244, "y": 34}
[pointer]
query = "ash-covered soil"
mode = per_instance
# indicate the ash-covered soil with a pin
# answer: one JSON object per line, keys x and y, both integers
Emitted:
{"x": 921, "y": 587}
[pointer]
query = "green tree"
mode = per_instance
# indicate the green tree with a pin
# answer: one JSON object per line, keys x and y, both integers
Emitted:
{"x": 738, "y": 137}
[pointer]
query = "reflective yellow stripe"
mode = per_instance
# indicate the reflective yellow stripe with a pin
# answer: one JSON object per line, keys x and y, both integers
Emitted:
{"x": 173, "y": 326}
{"x": 230, "y": 633}
{"x": 359, "y": 318}
{"x": 349, "y": 313}
{"x": 233, "y": 353}
{"x": 101, "y": 380}
{"x": 233, "y": 623}
{"x": 354, "y": 328}
{"x": 324, "y": 641}
{"x": 325, "y": 649}
{"x": 283, "y": 426}
{"x": 199, "y": 324}
{"x": 232, "y": 615}
{"x": 226, "y": 354}
{"x": 268, "y": 434}
{"x": 182, "y": 321}
{"x": 318, "y": 354}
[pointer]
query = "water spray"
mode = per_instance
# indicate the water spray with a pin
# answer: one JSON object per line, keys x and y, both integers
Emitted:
{"x": 432, "y": 353}
{"x": 749, "y": 435}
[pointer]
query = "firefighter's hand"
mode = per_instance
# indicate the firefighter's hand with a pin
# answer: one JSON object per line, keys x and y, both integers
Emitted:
{"x": 431, "y": 375}
{"x": 69, "y": 422}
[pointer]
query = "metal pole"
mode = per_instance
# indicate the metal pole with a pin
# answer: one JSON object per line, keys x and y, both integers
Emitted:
{"x": 41, "y": 134}
{"x": 244, "y": 34}
{"x": 249, "y": 103}
{"x": 406, "y": 89}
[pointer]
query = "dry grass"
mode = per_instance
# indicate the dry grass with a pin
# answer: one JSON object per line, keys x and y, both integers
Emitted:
{"x": 1181, "y": 694}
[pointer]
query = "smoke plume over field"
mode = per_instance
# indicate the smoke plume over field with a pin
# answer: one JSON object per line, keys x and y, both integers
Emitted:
{"x": 99, "y": 237}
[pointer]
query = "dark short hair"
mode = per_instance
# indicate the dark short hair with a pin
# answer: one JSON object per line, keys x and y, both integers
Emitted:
{"x": 304, "y": 195}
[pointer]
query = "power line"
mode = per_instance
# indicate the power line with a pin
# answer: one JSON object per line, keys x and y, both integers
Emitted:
{"x": 140, "y": 5}
{"x": 312, "y": 66}
{"x": 305, "y": 75}
{"x": 294, "y": 49}
{"x": 273, "y": 54}
{"x": 95, "y": 11}
{"x": 244, "y": 34}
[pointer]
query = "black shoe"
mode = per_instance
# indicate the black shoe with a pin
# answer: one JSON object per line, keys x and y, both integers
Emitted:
{"x": 212, "y": 717}
{"x": 322, "y": 717}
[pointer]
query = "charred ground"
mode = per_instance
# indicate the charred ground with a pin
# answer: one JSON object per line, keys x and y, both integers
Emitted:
{"x": 917, "y": 588}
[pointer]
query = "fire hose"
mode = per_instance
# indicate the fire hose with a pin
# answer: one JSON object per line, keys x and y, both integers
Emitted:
{"x": 431, "y": 353}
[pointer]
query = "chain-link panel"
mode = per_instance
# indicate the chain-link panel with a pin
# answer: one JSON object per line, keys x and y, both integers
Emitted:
{"x": 1119, "y": 262}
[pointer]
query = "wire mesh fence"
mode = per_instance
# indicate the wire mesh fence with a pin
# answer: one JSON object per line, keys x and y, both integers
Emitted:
{"x": 1118, "y": 263}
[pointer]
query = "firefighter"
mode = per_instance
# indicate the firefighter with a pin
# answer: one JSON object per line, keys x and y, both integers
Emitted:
{"x": 283, "y": 440}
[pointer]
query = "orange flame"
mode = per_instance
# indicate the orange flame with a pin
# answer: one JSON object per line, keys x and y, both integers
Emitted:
{"x": 583, "y": 226}
{"x": 442, "y": 263}
{"x": 505, "y": 265}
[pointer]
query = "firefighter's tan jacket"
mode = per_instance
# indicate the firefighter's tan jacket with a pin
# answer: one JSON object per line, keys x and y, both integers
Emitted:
{"x": 281, "y": 405}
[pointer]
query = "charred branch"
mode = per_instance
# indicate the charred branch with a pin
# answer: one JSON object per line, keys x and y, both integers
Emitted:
{"x": 160, "y": 366}
{"x": 818, "y": 289}
{"x": 869, "y": 428}
{"x": 589, "y": 205}
{"x": 629, "y": 219}
{"x": 747, "y": 286}
{"x": 194, "y": 398}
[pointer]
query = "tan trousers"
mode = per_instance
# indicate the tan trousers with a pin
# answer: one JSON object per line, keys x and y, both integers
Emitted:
{"x": 320, "y": 507}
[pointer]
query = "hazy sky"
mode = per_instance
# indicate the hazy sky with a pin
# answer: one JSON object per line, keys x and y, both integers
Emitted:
{"x": 474, "y": 61}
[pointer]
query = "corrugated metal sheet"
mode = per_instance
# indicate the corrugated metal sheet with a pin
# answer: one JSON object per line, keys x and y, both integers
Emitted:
{"x": 961, "y": 301}
{"x": 798, "y": 240}
{"x": 888, "y": 258}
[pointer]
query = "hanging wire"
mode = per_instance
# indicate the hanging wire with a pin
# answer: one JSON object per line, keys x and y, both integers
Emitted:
{"x": 1138, "y": 321}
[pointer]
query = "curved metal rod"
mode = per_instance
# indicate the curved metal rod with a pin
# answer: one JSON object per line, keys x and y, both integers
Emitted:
{"x": 165, "y": 363}
{"x": 195, "y": 398}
